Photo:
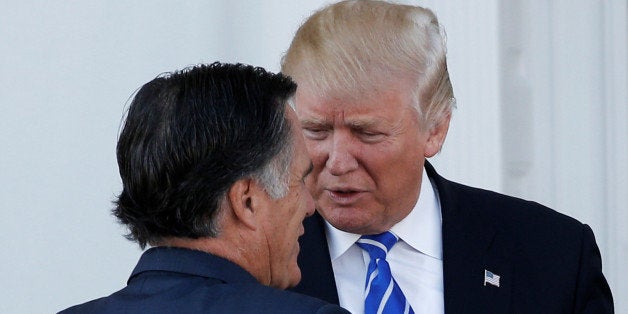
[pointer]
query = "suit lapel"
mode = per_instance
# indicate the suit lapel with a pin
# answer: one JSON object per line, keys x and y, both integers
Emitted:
{"x": 471, "y": 245}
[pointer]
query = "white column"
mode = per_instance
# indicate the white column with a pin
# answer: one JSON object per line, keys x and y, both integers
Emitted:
{"x": 615, "y": 80}
{"x": 565, "y": 117}
{"x": 471, "y": 153}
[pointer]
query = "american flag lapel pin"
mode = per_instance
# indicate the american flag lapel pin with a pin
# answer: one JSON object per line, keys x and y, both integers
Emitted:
{"x": 491, "y": 278}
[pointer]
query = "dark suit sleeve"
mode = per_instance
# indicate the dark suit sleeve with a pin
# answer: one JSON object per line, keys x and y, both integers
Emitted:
{"x": 593, "y": 294}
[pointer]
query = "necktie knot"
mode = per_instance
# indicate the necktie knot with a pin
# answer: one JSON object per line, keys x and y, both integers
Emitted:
{"x": 377, "y": 245}
{"x": 382, "y": 293}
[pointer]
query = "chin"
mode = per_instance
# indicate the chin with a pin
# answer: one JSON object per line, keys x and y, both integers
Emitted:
{"x": 349, "y": 220}
{"x": 295, "y": 280}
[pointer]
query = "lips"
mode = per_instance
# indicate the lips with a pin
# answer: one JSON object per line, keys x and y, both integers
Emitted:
{"x": 343, "y": 193}
{"x": 344, "y": 196}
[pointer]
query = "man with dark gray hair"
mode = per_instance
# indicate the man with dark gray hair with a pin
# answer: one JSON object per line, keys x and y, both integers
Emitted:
{"x": 212, "y": 167}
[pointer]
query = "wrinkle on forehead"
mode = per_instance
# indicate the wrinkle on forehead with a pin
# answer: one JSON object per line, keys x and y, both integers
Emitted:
{"x": 326, "y": 112}
{"x": 339, "y": 117}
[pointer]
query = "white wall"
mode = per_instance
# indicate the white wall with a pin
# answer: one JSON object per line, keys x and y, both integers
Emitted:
{"x": 68, "y": 68}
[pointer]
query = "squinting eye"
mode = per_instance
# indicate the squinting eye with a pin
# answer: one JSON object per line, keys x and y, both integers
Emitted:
{"x": 314, "y": 134}
{"x": 371, "y": 136}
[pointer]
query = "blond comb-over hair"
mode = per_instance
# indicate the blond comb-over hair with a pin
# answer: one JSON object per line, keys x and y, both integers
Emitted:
{"x": 353, "y": 49}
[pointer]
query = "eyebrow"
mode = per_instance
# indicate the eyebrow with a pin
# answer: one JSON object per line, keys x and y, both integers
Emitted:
{"x": 357, "y": 124}
{"x": 314, "y": 123}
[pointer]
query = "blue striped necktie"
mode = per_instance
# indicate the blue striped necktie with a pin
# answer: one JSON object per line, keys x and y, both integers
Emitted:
{"x": 383, "y": 294}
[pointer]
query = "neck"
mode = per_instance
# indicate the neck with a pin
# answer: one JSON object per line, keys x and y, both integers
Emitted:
{"x": 236, "y": 248}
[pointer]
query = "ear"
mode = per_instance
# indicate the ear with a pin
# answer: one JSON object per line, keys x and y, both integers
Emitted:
{"x": 437, "y": 136}
{"x": 246, "y": 198}
{"x": 240, "y": 201}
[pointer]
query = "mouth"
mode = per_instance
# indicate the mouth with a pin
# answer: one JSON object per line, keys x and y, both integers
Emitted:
{"x": 343, "y": 192}
{"x": 344, "y": 196}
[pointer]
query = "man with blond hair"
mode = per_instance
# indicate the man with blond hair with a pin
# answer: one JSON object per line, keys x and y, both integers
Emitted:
{"x": 391, "y": 235}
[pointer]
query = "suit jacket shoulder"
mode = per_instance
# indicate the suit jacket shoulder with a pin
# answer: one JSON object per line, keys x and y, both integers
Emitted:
{"x": 172, "y": 280}
{"x": 542, "y": 257}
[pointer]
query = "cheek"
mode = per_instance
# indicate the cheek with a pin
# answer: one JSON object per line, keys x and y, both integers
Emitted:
{"x": 392, "y": 169}
{"x": 377, "y": 160}
{"x": 291, "y": 217}
{"x": 286, "y": 245}
{"x": 403, "y": 178}
{"x": 311, "y": 181}
{"x": 317, "y": 151}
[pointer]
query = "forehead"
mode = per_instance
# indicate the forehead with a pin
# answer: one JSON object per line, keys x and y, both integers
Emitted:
{"x": 365, "y": 109}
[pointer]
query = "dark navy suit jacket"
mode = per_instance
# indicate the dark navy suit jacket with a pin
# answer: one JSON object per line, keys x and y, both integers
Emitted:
{"x": 547, "y": 262}
{"x": 175, "y": 280}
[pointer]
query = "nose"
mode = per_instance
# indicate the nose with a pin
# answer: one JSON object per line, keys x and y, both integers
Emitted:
{"x": 341, "y": 160}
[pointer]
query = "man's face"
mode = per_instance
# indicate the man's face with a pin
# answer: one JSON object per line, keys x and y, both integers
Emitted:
{"x": 368, "y": 158}
{"x": 283, "y": 218}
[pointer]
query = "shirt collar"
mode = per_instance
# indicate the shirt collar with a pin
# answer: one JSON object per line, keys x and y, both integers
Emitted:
{"x": 421, "y": 229}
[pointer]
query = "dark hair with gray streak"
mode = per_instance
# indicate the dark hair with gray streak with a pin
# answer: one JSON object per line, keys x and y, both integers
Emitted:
{"x": 189, "y": 136}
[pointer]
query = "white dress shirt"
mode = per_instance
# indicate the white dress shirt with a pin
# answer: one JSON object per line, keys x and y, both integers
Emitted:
{"x": 416, "y": 261}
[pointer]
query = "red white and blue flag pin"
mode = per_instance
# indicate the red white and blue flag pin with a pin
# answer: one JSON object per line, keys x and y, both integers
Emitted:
{"x": 491, "y": 278}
